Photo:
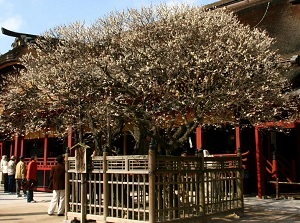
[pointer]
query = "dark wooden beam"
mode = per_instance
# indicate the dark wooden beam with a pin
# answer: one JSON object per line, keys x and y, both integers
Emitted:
{"x": 16, "y": 34}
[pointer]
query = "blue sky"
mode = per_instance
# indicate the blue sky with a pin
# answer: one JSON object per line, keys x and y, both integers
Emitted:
{"x": 38, "y": 16}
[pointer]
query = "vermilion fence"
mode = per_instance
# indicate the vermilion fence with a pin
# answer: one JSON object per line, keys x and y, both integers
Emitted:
{"x": 154, "y": 188}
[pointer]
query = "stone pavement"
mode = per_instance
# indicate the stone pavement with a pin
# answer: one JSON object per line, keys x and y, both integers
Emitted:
{"x": 17, "y": 210}
{"x": 284, "y": 210}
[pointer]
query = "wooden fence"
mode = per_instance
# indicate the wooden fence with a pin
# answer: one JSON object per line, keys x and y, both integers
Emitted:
{"x": 154, "y": 188}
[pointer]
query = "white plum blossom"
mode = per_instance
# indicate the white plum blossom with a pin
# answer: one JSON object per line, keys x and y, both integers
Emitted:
{"x": 163, "y": 69}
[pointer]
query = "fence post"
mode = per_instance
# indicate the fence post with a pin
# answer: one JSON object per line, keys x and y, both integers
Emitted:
{"x": 67, "y": 183}
{"x": 152, "y": 167}
{"x": 202, "y": 186}
{"x": 239, "y": 183}
{"x": 83, "y": 194}
{"x": 105, "y": 184}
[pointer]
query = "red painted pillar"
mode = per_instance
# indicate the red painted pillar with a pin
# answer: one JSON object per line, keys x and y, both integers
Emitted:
{"x": 16, "y": 145}
{"x": 274, "y": 166}
{"x": 22, "y": 146}
{"x": 10, "y": 150}
{"x": 237, "y": 138}
{"x": 46, "y": 139}
{"x": 259, "y": 165}
{"x": 199, "y": 138}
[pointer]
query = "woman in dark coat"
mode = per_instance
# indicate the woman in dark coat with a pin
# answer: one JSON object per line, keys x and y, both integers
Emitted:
{"x": 57, "y": 177}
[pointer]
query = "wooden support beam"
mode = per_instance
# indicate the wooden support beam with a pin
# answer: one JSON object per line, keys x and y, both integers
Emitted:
{"x": 259, "y": 165}
{"x": 199, "y": 138}
{"x": 22, "y": 146}
{"x": 46, "y": 139}
{"x": 16, "y": 145}
{"x": 237, "y": 138}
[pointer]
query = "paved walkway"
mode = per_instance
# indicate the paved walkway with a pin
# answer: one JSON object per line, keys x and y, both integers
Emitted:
{"x": 17, "y": 210}
{"x": 267, "y": 210}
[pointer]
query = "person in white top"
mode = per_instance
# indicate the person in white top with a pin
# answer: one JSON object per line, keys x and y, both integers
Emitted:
{"x": 11, "y": 171}
{"x": 3, "y": 166}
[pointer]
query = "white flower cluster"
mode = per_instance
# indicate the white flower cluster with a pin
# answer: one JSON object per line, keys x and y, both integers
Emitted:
{"x": 161, "y": 67}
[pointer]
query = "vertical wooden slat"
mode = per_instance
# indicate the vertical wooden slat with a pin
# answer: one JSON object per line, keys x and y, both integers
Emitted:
{"x": 239, "y": 185}
{"x": 122, "y": 196}
{"x": 111, "y": 186}
{"x": 105, "y": 185}
{"x": 144, "y": 200}
{"x": 152, "y": 168}
{"x": 202, "y": 184}
{"x": 138, "y": 197}
{"x": 77, "y": 190}
{"x": 128, "y": 195}
{"x": 67, "y": 183}
{"x": 83, "y": 200}
{"x": 132, "y": 194}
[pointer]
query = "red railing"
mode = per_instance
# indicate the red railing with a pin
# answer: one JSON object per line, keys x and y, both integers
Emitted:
{"x": 42, "y": 164}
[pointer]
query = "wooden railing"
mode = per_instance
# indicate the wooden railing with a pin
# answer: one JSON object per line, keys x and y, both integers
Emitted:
{"x": 42, "y": 165}
{"x": 154, "y": 188}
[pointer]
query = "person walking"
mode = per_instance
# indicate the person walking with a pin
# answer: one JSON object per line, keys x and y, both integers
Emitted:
{"x": 3, "y": 166}
{"x": 31, "y": 178}
{"x": 57, "y": 177}
{"x": 20, "y": 176}
{"x": 11, "y": 171}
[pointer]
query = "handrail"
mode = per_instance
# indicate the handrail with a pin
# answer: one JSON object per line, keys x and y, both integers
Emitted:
{"x": 51, "y": 161}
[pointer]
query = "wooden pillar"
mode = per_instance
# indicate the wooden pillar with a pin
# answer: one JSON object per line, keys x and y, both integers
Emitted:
{"x": 70, "y": 138}
{"x": 152, "y": 168}
{"x": 199, "y": 138}
{"x": 105, "y": 185}
{"x": 237, "y": 138}
{"x": 16, "y": 145}
{"x": 239, "y": 183}
{"x": 259, "y": 165}
{"x": 202, "y": 188}
{"x": 10, "y": 150}
{"x": 67, "y": 184}
{"x": 83, "y": 195}
{"x": 46, "y": 139}
{"x": 275, "y": 173}
{"x": 274, "y": 166}
{"x": 22, "y": 146}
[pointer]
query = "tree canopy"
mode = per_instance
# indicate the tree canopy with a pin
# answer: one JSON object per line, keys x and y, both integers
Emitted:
{"x": 163, "y": 69}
